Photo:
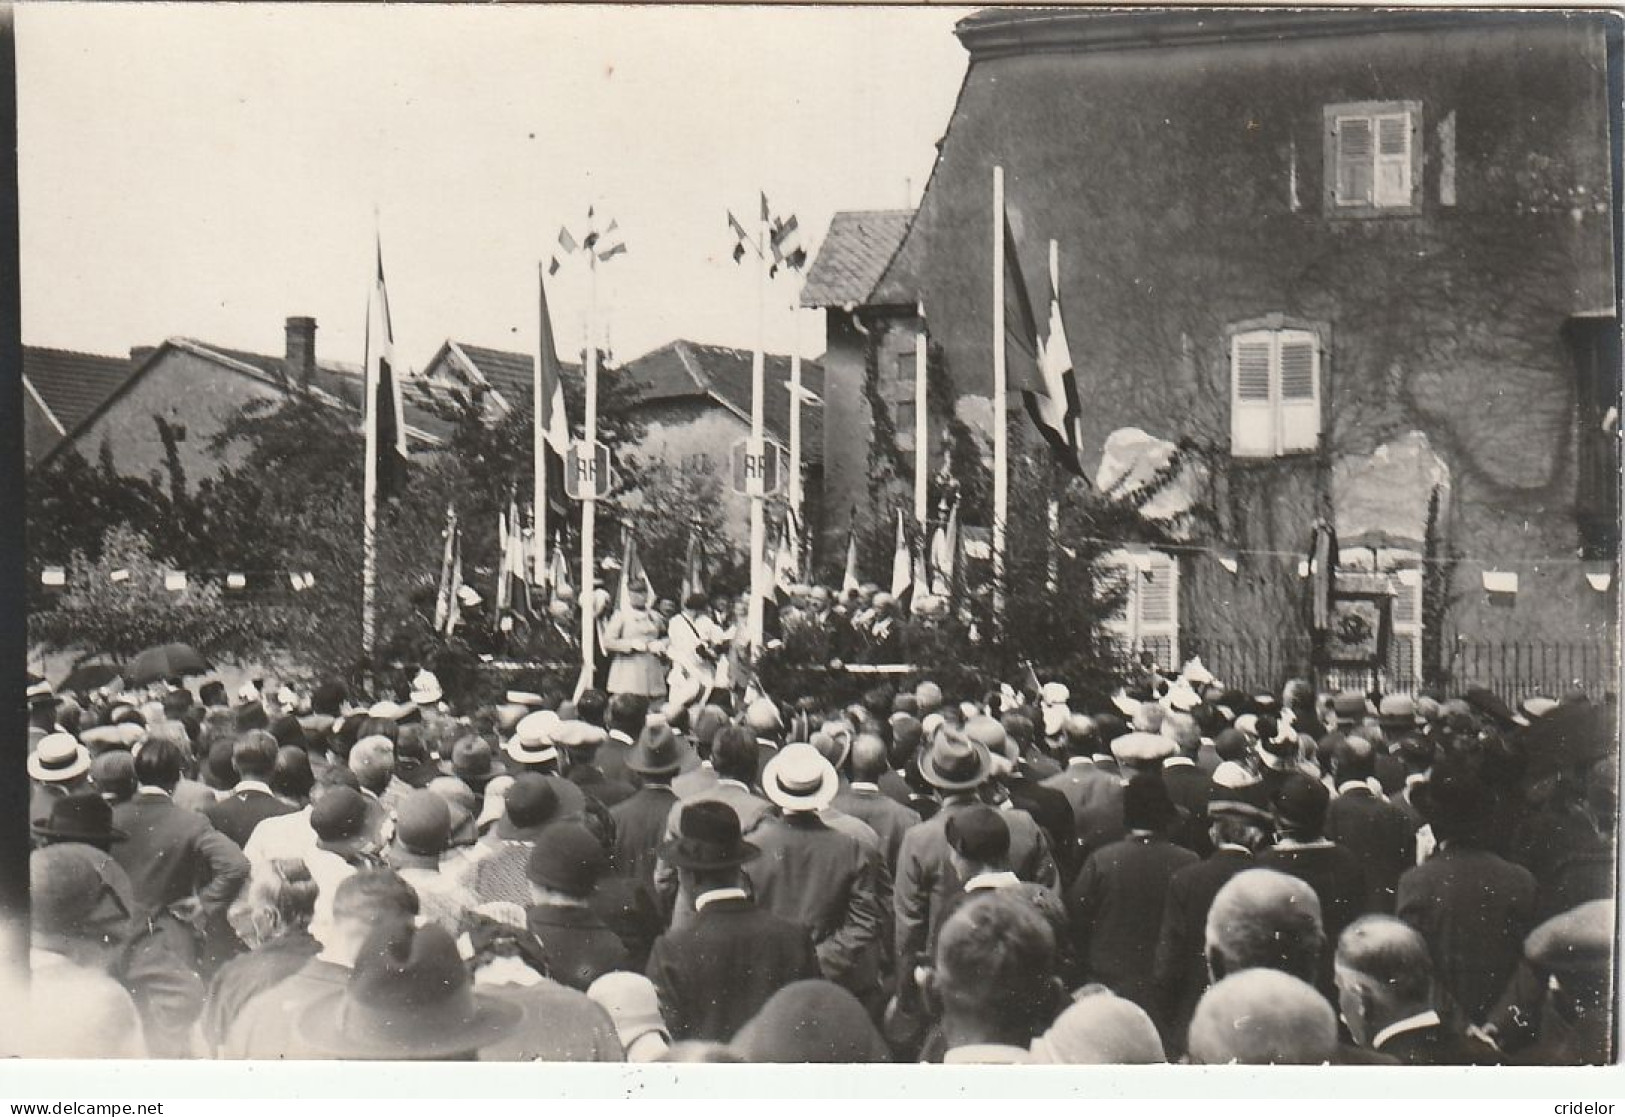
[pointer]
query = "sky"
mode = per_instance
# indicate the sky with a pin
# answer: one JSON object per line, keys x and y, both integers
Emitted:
{"x": 209, "y": 170}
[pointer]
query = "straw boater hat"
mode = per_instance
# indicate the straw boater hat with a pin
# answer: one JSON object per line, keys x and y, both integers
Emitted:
{"x": 58, "y": 759}
{"x": 532, "y": 740}
{"x": 798, "y": 778}
{"x": 426, "y": 689}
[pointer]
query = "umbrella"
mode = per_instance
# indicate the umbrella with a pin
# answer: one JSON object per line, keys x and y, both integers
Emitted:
{"x": 166, "y": 661}
{"x": 87, "y": 677}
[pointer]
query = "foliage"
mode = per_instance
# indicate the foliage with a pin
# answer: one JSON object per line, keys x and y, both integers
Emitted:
{"x": 671, "y": 505}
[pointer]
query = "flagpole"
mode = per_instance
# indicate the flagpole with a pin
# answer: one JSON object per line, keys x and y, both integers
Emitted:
{"x": 369, "y": 487}
{"x": 538, "y": 446}
{"x": 758, "y": 511}
{"x": 589, "y": 493}
{"x": 1001, "y": 433}
{"x": 794, "y": 486}
{"x": 922, "y": 424}
{"x": 1053, "y": 566}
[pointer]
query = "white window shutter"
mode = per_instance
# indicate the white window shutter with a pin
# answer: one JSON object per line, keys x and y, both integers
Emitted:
{"x": 1118, "y": 571}
{"x": 1299, "y": 391}
{"x": 1252, "y": 411}
{"x": 1354, "y": 160}
{"x": 1393, "y": 160}
{"x": 1158, "y": 601}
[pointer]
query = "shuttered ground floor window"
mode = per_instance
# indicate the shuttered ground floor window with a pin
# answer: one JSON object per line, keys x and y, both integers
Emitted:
{"x": 1147, "y": 622}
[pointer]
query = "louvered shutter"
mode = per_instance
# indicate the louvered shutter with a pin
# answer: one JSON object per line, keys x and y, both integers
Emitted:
{"x": 1158, "y": 602}
{"x": 1405, "y": 649}
{"x": 1116, "y": 571}
{"x": 1354, "y": 160}
{"x": 1299, "y": 364}
{"x": 1252, "y": 413}
{"x": 1393, "y": 160}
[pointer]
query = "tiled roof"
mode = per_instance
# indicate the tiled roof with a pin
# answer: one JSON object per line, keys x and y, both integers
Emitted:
{"x": 62, "y": 389}
{"x": 424, "y": 411}
{"x": 688, "y": 370}
{"x": 681, "y": 370}
{"x": 856, "y": 250}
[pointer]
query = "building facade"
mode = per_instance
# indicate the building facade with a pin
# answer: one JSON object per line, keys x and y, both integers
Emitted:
{"x": 1358, "y": 266}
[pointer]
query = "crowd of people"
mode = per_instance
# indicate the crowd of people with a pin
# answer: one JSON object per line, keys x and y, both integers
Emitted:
{"x": 1186, "y": 873}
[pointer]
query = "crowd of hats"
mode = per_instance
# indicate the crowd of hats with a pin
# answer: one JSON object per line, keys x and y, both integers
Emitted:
{"x": 502, "y": 776}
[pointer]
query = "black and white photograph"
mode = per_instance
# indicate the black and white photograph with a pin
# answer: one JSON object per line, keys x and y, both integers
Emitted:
{"x": 1066, "y": 536}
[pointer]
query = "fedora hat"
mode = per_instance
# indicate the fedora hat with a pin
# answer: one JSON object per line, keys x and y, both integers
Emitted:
{"x": 529, "y": 804}
{"x": 79, "y": 818}
{"x": 798, "y": 778}
{"x": 707, "y": 838}
{"x": 58, "y": 759}
{"x": 409, "y": 997}
{"x": 954, "y": 762}
{"x": 656, "y": 753}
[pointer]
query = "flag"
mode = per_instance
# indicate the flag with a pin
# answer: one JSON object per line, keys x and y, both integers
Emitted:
{"x": 632, "y": 570}
{"x": 513, "y": 591}
{"x": 902, "y": 563}
{"x": 1057, "y": 413}
{"x": 695, "y": 576}
{"x": 1020, "y": 326}
{"x": 566, "y": 241}
{"x": 849, "y": 579}
{"x": 549, "y": 383}
{"x": 766, "y": 215}
{"x": 740, "y": 236}
{"x": 785, "y": 241}
{"x": 786, "y": 564}
{"x": 384, "y": 418}
{"x": 558, "y": 568}
{"x": 945, "y": 554}
{"x": 447, "y": 594}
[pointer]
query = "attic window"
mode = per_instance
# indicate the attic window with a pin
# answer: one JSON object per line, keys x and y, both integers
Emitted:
{"x": 1373, "y": 158}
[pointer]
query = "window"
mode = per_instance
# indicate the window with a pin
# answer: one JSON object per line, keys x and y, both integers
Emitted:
{"x": 1403, "y": 570}
{"x": 1373, "y": 158}
{"x": 1275, "y": 392}
{"x": 899, "y": 393}
{"x": 1148, "y": 619}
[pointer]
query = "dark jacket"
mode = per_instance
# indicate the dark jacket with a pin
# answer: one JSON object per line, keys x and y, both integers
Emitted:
{"x": 717, "y": 973}
{"x": 1053, "y": 813}
{"x": 1380, "y": 836}
{"x": 1189, "y": 787}
{"x": 926, "y": 878}
{"x": 595, "y": 785}
{"x": 244, "y": 977}
{"x": 171, "y": 853}
{"x": 1474, "y": 909}
{"x": 640, "y": 823}
{"x": 1116, "y": 905}
{"x": 1437, "y": 1046}
{"x": 580, "y": 947}
{"x": 828, "y": 882}
{"x": 1181, "y": 963}
{"x": 236, "y": 815}
{"x": 888, "y": 818}
{"x": 1335, "y": 875}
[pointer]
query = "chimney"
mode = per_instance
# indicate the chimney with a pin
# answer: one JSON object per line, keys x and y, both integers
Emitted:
{"x": 300, "y": 358}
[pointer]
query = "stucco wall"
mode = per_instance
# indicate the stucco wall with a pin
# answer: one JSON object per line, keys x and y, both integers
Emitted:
{"x": 1184, "y": 185}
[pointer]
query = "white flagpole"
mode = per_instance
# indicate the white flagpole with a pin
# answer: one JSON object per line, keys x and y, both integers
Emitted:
{"x": 1001, "y": 433}
{"x": 369, "y": 487}
{"x": 538, "y": 447}
{"x": 589, "y": 508}
{"x": 794, "y": 483}
{"x": 922, "y": 425}
{"x": 758, "y": 511}
{"x": 1053, "y": 567}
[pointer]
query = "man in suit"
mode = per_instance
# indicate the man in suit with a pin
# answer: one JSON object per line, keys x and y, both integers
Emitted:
{"x": 251, "y": 801}
{"x": 182, "y": 870}
{"x": 1302, "y": 850}
{"x": 1263, "y": 1017}
{"x": 580, "y": 742}
{"x": 816, "y": 876}
{"x": 564, "y": 870}
{"x": 1473, "y": 907}
{"x": 994, "y": 979}
{"x": 1267, "y": 920}
{"x": 1047, "y": 806}
{"x": 733, "y": 757}
{"x": 1238, "y": 825}
{"x": 863, "y": 799}
{"x": 1188, "y": 785}
{"x": 1379, "y": 834}
{"x": 626, "y": 714}
{"x": 717, "y": 973}
{"x": 1116, "y": 903}
{"x": 640, "y": 821}
{"x": 957, "y": 767}
{"x": 1385, "y": 991}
